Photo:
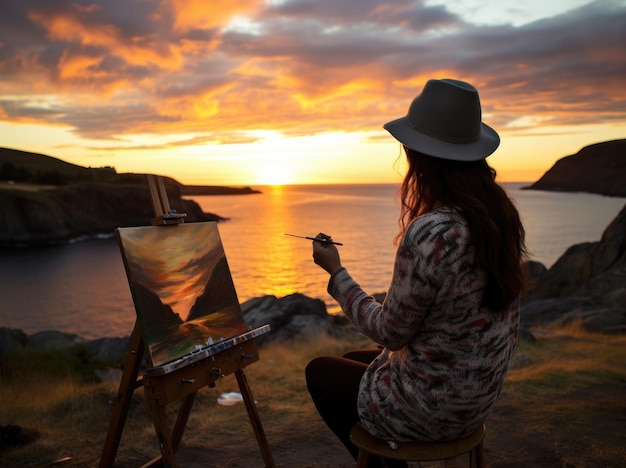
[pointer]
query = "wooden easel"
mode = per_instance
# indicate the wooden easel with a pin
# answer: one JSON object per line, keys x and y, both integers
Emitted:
{"x": 182, "y": 384}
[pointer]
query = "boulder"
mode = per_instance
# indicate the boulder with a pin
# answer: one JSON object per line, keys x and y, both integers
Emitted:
{"x": 291, "y": 317}
{"x": 12, "y": 339}
{"x": 534, "y": 271}
{"x": 51, "y": 339}
{"x": 587, "y": 283}
{"x": 555, "y": 310}
{"x": 109, "y": 349}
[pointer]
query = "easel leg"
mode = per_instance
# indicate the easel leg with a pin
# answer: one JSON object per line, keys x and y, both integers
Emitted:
{"x": 158, "y": 417}
{"x": 181, "y": 421}
{"x": 164, "y": 436}
{"x": 134, "y": 355}
{"x": 255, "y": 420}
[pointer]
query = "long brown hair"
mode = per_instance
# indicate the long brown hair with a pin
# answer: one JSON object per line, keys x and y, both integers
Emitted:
{"x": 495, "y": 227}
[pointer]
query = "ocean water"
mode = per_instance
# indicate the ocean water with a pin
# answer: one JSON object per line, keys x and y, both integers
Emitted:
{"x": 82, "y": 288}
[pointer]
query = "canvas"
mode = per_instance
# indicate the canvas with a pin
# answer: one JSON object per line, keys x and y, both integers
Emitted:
{"x": 182, "y": 288}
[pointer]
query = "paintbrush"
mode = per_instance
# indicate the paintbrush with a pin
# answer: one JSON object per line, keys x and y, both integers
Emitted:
{"x": 328, "y": 241}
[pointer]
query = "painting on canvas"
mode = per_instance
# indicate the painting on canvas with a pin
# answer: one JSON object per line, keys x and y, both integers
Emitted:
{"x": 181, "y": 286}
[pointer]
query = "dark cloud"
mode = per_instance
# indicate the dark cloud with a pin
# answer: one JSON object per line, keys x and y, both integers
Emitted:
{"x": 358, "y": 14}
{"x": 119, "y": 67}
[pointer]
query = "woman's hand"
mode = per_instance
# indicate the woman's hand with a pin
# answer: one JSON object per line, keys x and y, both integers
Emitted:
{"x": 326, "y": 254}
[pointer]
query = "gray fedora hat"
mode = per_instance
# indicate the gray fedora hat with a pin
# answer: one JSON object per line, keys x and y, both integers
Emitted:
{"x": 444, "y": 121}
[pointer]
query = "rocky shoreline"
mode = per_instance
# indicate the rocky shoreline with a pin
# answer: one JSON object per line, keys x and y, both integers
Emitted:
{"x": 293, "y": 317}
{"x": 586, "y": 284}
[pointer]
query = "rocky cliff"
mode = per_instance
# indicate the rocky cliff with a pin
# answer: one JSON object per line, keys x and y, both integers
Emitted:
{"x": 45, "y": 200}
{"x": 599, "y": 168}
{"x": 55, "y": 215}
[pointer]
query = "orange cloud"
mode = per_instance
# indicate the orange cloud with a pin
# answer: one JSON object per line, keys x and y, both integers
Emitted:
{"x": 200, "y": 14}
{"x": 78, "y": 66}
{"x": 73, "y": 26}
{"x": 217, "y": 70}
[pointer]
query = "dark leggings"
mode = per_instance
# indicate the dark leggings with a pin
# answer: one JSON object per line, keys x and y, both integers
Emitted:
{"x": 333, "y": 383}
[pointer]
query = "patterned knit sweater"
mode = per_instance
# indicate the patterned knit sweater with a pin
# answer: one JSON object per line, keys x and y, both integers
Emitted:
{"x": 445, "y": 357}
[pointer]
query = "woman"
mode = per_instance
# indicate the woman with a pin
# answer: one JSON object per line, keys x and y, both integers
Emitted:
{"x": 449, "y": 323}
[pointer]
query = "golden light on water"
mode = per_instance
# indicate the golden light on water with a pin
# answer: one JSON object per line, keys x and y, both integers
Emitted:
{"x": 278, "y": 257}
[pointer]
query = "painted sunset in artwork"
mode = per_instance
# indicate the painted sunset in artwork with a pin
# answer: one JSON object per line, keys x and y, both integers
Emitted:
{"x": 182, "y": 288}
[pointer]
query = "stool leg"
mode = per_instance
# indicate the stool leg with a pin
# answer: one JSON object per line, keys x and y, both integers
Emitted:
{"x": 476, "y": 456}
{"x": 480, "y": 455}
{"x": 450, "y": 462}
{"x": 363, "y": 459}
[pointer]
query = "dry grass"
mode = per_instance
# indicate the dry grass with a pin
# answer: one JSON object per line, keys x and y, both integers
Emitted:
{"x": 569, "y": 359}
{"x": 564, "y": 409}
{"x": 567, "y": 408}
{"x": 24, "y": 187}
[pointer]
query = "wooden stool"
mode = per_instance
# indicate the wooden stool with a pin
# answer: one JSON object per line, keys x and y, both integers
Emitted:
{"x": 419, "y": 451}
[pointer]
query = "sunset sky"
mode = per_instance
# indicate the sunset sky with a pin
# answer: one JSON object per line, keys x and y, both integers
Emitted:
{"x": 254, "y": 92}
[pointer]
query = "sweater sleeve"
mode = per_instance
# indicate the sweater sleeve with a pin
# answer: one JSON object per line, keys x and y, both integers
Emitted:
{"x": 425, "y": 256}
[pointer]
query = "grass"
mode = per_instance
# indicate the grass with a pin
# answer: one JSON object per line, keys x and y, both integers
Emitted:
{"x": 568, "y": 405}
{"x": 568, "y": 359}
{"x": 24, "y": 186}
{"x": 563, "y": 409}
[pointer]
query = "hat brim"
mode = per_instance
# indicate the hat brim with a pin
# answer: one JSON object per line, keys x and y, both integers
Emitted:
{"x": 486, "y": 144}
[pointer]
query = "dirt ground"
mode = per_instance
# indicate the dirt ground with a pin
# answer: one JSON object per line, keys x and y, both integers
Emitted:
{"x": 566, "y": 411}
{"x": 583, "y": 429}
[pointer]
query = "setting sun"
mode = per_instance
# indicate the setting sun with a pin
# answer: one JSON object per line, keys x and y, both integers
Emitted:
{"x": 275, "y": 174}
